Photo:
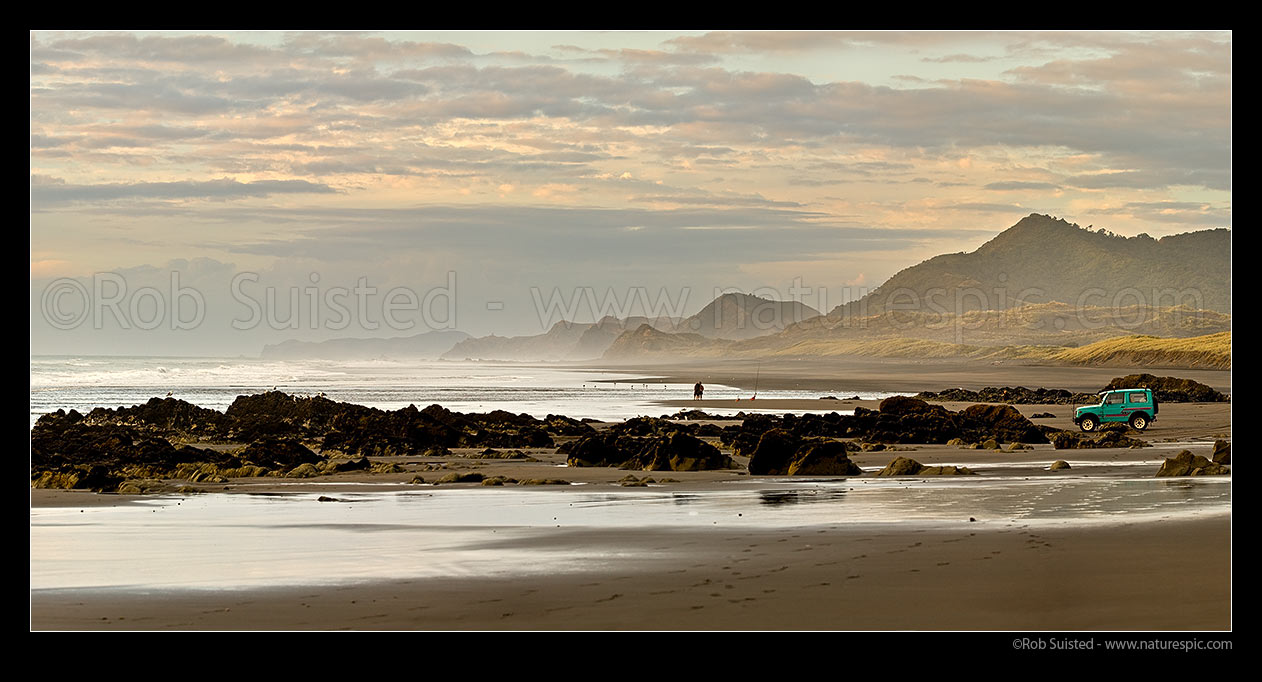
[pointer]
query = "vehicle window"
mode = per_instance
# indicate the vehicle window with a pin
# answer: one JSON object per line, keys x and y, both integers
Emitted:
{"x": 1139, "y": 397}
{"x": 1113, "y": 399}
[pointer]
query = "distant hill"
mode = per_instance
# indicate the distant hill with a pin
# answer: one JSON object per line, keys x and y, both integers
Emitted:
{"x": 647, "y": 343}
{"x": 564, "y": 341}
{"x": 732, "y": 316}
{"x": 1042, "y": 259}
{"x": 427, "y": 345}
{"x": 745, "y": 316}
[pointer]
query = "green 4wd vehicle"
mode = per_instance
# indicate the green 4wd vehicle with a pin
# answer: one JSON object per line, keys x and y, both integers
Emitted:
{"x": 1135, "y": 406}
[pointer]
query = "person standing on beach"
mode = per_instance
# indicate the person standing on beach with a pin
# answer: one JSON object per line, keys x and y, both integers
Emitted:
{"x": 698, "y": 391}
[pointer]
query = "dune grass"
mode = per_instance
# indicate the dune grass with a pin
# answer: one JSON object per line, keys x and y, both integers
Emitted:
{"x": 1211, "y": 351}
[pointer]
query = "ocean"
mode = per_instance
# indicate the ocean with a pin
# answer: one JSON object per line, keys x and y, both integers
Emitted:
{"x": 86, "y": 382}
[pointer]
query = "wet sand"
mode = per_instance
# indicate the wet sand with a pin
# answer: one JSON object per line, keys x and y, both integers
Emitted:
{"x": 1170, "y": 572}
{"x": 1173, "y": 575}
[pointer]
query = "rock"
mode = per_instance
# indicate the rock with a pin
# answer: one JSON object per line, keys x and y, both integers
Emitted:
{"x": 303, "y": 471}
{"x": 945, "y": 470}
{"x": 1187, "y": 464}
{"x": 1170, "y": 389}
{"x": 1019, "y": 395}
{"x": 417, "y": 480}
{"x": 899, "y": 404}
{"x": 1222, "y": 452}
{"x": 1063, "y": 440}
{"x": 1042, "y": 415}
{"x": 990, "y": 444}
{"x": 904, "y": 466}
{"x": 901, "y": 466}
{"x": 456, "y": 477}
{"x": 675, "y": 452}
{"x": 544, "y": 481}
{"x": 1002, "y": 422}
{"x": 1058, "y": 465}
{"x": 278, "y": 453}
{"x": 774, "y": 453}
{"x": 823, "y": 458}
{"x": 679, "y": 452}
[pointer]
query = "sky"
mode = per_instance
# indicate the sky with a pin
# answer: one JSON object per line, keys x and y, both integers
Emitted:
{"x": 494, "y": 182}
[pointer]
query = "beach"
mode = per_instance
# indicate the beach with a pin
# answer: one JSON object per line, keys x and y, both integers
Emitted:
{"x": 1016, "y": 547}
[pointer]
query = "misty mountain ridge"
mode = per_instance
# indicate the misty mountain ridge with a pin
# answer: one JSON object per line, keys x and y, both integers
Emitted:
{"x": 731, "y": 316}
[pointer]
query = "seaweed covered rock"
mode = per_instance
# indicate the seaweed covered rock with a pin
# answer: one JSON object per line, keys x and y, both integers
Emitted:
{"x": 1187, "y": 464}
{"x": 1059, "y": 465}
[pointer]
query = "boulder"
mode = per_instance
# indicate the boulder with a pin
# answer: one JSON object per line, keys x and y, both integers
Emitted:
{"x": 1222, "y": 452}
{"x": 456, "y": 477}
{"x": 1187, "y": 464}
{"x": 900, "y": 405}
{"x": 303, "y": 471}
{"x": 819, "y": 457}
{"x": 1058, "y": 465}
{"x": 904, "y": 466}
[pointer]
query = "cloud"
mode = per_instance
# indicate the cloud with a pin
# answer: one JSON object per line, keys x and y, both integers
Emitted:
{"x": 951, "y": 58}
{"x": 986, "y": 207}
{"x": 46, "y": 191}
{"x": 1011, "y": 185}
{"x": 1182, "y": 212}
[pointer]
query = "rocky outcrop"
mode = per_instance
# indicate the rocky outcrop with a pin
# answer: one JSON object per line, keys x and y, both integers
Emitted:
{"x": 899, "y": 420}
{"x": 1108, "y": 438}
{"x": 675, "y": 452}
{"x": 1018, "y": 395}
{"x": 1187, "y": 464}
{"x": 1170, "y": 389}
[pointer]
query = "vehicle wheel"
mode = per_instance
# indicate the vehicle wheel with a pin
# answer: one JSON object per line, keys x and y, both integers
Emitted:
{"x": 1088, "y": 424}
{"x": 1139, "y": 422}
